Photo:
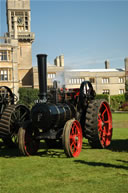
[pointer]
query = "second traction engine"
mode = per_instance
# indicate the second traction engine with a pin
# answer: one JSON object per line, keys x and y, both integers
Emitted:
{"x": 65, "y": 116}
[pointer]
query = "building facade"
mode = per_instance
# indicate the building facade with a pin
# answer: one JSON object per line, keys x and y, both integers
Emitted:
{"x": 104, "y": 81}
{"x": 15, "y": 47}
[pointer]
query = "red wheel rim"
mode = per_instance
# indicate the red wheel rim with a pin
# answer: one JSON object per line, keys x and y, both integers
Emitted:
{"x": 105, "y": 125}
{"x": 31, "y": 145}
{"x": 75, "y": 139}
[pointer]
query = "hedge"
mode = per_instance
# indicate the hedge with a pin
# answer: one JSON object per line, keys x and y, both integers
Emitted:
{"x": 126, "y": 85}
{"x": 27, "y": 96}
{"x": 102, "y": 96}
{"x": 116, "y": 101}
{"x": 126, "y": 88}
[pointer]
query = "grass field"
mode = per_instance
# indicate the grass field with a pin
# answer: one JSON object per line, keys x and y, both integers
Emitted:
{"x": 94, "y": 171}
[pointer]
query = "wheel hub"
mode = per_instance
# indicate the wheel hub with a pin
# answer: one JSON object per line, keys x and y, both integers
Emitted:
{"x": 75, "y": 138}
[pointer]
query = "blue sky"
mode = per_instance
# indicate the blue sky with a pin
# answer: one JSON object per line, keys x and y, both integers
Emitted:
{"x": 86, "y": 32}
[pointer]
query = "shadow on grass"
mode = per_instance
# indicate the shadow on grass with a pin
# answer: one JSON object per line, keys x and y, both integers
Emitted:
{"x": 9, "y": 152}
{"x": 119, "y": 145}
{"x": 54, "y": 150}
{"x": 14, "y": 152}
{"x": 100, "y": 164}
{"x": 51, "y": 153}
{"x": 123, "y": 161}
{"x": 57, "y": 151}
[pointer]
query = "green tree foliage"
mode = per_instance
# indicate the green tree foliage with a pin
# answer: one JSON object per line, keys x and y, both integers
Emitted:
{"x": 27, "y": 96}
{"x": 102, "y": 96}
{"x": 126, "y": 88}
{"x": 126, "y": 85}
{"x": 116, "y": 101}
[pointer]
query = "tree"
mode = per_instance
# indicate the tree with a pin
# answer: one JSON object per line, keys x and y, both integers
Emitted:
{"x": 126, "y": 90}
{"x": 28, "y": 96}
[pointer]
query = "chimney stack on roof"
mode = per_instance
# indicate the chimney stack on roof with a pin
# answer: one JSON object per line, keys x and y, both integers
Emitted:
{"x": 107, "y": 64}
{"x": 126, "y": 67}
{"x": 59, "y": 61}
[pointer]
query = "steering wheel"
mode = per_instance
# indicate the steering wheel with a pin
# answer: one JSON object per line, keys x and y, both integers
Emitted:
{"x": 87, "y": 93}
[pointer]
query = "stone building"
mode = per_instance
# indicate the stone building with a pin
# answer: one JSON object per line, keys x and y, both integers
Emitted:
{"x": 15, "y": 46}
{"x": 105, "y": 81}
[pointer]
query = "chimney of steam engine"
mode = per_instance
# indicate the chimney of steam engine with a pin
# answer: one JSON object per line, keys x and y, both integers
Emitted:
{"x": 42, "y": 76}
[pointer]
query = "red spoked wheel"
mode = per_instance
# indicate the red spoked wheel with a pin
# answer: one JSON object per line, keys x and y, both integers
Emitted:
{"x": 72, "y": 138}
{"x": 28, "y": 144}
{"x": 98, "y": 124}
{"x": 105, "y": 125}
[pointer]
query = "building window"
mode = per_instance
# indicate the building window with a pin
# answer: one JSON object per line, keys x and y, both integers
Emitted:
{"x": 51, "y": 75}
{"x": 26, "y": 21}
{"x": 76, "y": 81}
{"x": 121, "y": 91}
{"x": 5, "y": 55}
{"x": 12, "y": 20}
{"x": 81, "y": 80}
{"x": 105, "y": 80}
{"x": 3, "y": 74}
{"x": 121, "y": 79}
{"x": 106, "y": 91}
{"x": 92, "y": 80}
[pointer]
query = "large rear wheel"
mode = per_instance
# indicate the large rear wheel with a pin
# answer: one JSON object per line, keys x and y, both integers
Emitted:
{"x": 98, "y": 124}
{"x": 72, "y": 138}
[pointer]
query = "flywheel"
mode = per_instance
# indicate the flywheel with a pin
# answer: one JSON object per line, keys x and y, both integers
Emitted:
{"x": 11, "y": 119}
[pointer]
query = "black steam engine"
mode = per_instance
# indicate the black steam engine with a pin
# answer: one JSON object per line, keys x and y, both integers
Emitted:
{"x": 67, "y": 116}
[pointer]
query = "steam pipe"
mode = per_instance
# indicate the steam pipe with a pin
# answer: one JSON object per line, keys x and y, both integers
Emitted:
{"x": 42, "y": 76}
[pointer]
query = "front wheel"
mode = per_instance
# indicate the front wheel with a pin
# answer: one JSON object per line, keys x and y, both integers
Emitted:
{"x": 98, "y": 124}
{"x": 72, "y": 138}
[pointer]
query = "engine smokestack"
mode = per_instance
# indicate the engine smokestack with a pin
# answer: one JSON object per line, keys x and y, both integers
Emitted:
{"x": 42, "y": 76}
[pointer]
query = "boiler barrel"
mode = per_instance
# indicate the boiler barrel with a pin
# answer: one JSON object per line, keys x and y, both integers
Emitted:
{"x": 49, "y": 116}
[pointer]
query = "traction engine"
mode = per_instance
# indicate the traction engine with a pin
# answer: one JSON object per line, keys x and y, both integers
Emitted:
{"x": 11, "y": 116}
{"x": 66, "y": 116}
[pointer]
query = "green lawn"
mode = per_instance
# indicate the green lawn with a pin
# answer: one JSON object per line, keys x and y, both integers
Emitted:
{"x": 94, "y": 171}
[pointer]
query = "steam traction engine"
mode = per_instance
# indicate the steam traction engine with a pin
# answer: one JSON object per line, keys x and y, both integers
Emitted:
{"x": 67, "y": 116}
{"x": 11, "y": 116}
